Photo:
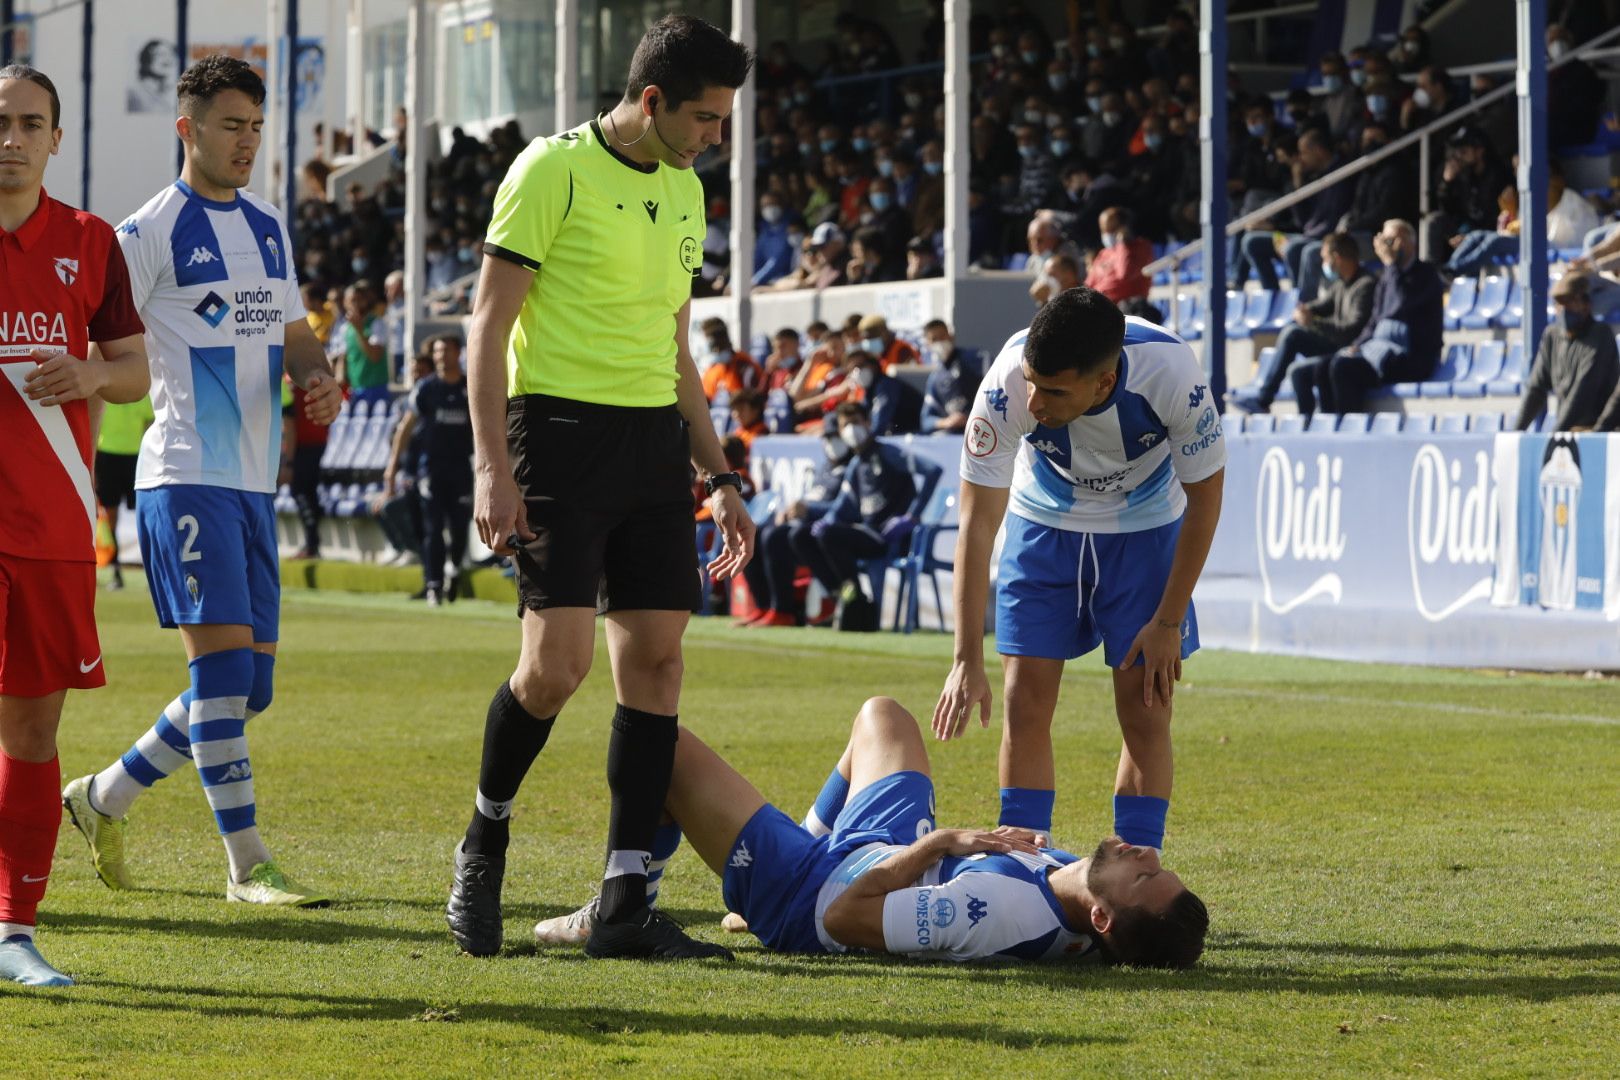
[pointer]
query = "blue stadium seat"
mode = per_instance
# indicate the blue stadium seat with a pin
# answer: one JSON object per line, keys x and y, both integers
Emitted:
{"x": 1513, "y": 311}
{"x": 1453, "y": 366}
{"x": 1451, "y": 424}
{"x": 1513, "y": 373}
{"x": 1190, "y": 324}
{"x": 1263, "y": 424}
{"x": 1422, "y": 424}
{"x": 1385, "y": 423}
{"x": 939, "y": 517}
{"x": 1493, "y": 297}
{"x": 926, "y": 476}
{"x": 1354, "y": 423}
{"x": 1491, "y": 421}
{"x": 1016, "y": 261}
{"x": 1257, "y": 310}
{"x": 1282, "y": 311}
{"x": 1486, "y": 365}
{"x": 1236, "y": 306}
{"x": 1292, "y": 424}
{"x": 1460, "y": 301}
{"x": 1232, "y": 423}
{"x": 779, "y": 412}
{"x": 1323, "y": 423}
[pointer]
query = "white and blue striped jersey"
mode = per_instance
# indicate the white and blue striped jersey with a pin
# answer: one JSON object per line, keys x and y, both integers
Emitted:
{"x": 1117, "y": 468}
{"x": 214, "y": 284}
{"x": 980, "y": 907}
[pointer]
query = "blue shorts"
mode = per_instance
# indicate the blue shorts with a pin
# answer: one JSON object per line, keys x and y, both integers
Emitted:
{"x": 776, "y": 868}
{"x": 1060, "y": 594}
{"x": 211, "y": 557}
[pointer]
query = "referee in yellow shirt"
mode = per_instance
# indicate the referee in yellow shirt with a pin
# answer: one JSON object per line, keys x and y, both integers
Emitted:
{"x": 586, "y": 408}
{"x": 117, "y": 446}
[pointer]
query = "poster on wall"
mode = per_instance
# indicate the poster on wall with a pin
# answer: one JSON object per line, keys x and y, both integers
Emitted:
{"x": 155, "y": 69}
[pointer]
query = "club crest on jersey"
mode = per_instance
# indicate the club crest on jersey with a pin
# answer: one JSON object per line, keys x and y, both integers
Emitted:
{"x": 67, "y": 270}
{"x": 273, "y": 248}
{"x": 193, "y": 588}
{"x": 944, "y": 912}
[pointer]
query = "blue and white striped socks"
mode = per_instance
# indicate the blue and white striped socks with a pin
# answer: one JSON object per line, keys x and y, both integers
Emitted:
{"x": 221, "y": 684}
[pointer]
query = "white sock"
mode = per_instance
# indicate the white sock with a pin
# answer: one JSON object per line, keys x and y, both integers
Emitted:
{"x": 245, "y": 850}
{"x": 16, "y": 929}
{"x": 113, "y": 791}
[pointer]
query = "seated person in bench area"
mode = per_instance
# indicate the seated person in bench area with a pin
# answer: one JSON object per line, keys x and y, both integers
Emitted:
{"x": 1577, "y": 363}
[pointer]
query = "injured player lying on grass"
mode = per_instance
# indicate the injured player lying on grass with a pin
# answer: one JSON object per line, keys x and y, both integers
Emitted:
{"x": 882, "y": 878}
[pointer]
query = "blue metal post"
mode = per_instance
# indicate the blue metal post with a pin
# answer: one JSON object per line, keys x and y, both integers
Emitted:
{"x": 1531, "y": 73}
{"x": 289, "y": 163}
{"x": 87, "y": 66}
{"x": 182, "y": 58}
{"x": 8, "y": 15}
{"x": 1212, "y": 208}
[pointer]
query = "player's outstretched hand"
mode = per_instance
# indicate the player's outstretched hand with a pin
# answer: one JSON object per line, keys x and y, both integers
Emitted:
{"x": 965, "y": 687}
{"x": 323, "y": 398}
{"x": 972, "y": 841}
{"x": 1159, "y": 645}
{"x": 499, "y": 512}
{"x": 1028, "y": 836}
{"x": 59, "y": 377}
{"x": 737, "y": 531}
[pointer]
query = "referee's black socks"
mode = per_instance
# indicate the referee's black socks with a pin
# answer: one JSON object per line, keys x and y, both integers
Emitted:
{"x": 641, "y": 756}
{"x": 512, "y": 739}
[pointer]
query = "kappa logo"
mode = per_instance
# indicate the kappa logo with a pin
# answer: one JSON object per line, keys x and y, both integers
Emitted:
{"x": 1196, "y": 398}
{"x": 997, "y": 400}
{"x": 200, "y": 255}
{"x": 977, "y": 909}
{"x": 129, "y": 228}
{"x": 239, "y": 770}
{"x": 741, "y": 859}
{"x": 67, "y": 270}
{"x": 652, "y": 210}
{"x": 1045, "y": 446}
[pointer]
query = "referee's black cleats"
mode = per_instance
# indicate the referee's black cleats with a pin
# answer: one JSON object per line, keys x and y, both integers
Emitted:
{"x": 649, "y": 934}
{"x": 474, "y": 910}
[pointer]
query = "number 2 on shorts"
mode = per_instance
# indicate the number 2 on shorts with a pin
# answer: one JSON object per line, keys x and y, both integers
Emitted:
{"x": 188, "y": 522}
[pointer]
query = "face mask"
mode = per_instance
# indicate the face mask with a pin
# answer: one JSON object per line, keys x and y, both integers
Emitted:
{"x": 835, "y": 449}
{"x": 1568, "y": 320}
{"x": 828, "y": 145}
{"x": 861, "y": 145}
{"x": 1093, "y": 50}
{"x": 1034, "y": 116}
{"x": 1094, "y": 104}
{"x": 933, "y": 168}
{"x": 1060, "y": 147}
{"x": 1028, "y": 152}
{"x": 907, "y": 134}
{"x": 1110, "y": 239}
{"x": 1057, "y": 82}
{"x": 805, "y": 149}
{"x": 1332, "y": 83}
{"x": 772, "y": 214}
{"x": 796, "y": 239}
{"x": 1358, "y": 77}
{"x": 1153, "y": 141}
{"x": 1377, "y": 104}
{"x": 864, "y": 377}
{"x": 1557, "y": 49}
{"x": 785, "y": 103}
{"x": 885, "y": 168}
{"x": 1111, "y": 119}
{"x": 802, "y": 97}
{"x": 1421, "y": 98}
{"x": 854, "y": 436}
{"x": 1329, "y": 272}
{"x": 875, "y": 347}
{"x": 881, "y": 200}
{"x": 358, "y": 265}
{"x": 999, "y": 51}
{"x": 914, "y": 101}
{"x": 1031, "y": 58}
{"x": 1410, "y": 48}
{"x": 1257, "y": 130}
{"x": 938, "y": 353}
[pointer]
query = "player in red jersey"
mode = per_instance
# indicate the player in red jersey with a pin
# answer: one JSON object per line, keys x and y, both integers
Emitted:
{"x": 70, "y": 339}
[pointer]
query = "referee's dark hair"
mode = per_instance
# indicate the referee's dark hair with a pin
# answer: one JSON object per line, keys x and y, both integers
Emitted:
{"x": 212, "y": 76}
{"x": 1078, "y": 330}
{"x": 40, "y": 79}
{"x": 683, "y": 56}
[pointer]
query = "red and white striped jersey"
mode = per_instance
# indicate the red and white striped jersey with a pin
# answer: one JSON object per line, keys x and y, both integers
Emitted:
{"x": 65, "y": 286}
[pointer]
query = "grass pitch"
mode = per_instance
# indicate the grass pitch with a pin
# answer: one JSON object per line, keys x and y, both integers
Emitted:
{"x": 1409, "y": 872}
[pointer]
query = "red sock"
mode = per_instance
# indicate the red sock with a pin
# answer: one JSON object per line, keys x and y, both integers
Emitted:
{"x": 30, "y": 814}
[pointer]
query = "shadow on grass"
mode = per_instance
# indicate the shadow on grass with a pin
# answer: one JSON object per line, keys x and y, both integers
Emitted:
{"x": 589, "y": 1022}
{"x": 1592, "y": 950}
{"x": 312, "y": 928}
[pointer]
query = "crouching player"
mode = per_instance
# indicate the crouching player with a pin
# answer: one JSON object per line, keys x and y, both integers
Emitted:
{"x": 885, "y": 880}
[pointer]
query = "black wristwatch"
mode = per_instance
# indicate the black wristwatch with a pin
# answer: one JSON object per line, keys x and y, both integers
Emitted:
{"x": 720, "y": 480}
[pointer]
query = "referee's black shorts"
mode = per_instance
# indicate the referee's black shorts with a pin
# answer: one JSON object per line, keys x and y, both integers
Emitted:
{"x": 609, "y": 498}
{"x": 115, "y": 479}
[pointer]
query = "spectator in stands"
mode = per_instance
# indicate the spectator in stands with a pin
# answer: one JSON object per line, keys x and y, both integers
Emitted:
{"x": 1062, "y": 274}
{"x": 828, "y": 244}
{"x": 1575, "y": 94}
{"x": 1321, "y": 327}
{"x": 1401, "y": 341}
{"x": 895, "y": 407}
{"x": 952, "y": 384}
{"x": 1037, "y": 173}
{"x": 1411, "y": 55}
{"x": 1386, "y": 190}
{"x": 1576, "y": 362}
{"x": 1317, "y": 216}
{"x": 928, "y": 207}
{"x": 1116, "y": 270}
{"x": 748, "y": 416}
{"x": 869, "y": 261}
{"x": 820, "y": 384}
{"x": 442, "y": 267}
{"x": 443, "y": 468}
{"x": 318, "y": 312}
{"x": 1570, "y": 217}
{"x": 784, "y": 361}
{"x": 1431, "y": 99}
{"x": 1473, "y": 177}
{"x": 365, "y": 346}
{"x": 881, "y": 342}
{"x": 1485, "y": 247}
{"x": 774, "y": 254}
{"x": 1341, "y": 98}
{"x": 1161, "y": 177}
{"x": 394, "y": 321}
{"x": 712, "y": 280}
{"x": 876, "y": 507}
{"x": 1105, "y": 136}
{"x": 921, "y": 261}
{"x": 1253, "y": 167}
{"x": 890, "y": 220}
{"x": 815, "y": 335}
{"x": 1385, "y": 94}
{"x": 1602, "y": 259}
{"x": 771, "y": 572}
{"x": 1045, "y": 241}
{"x": 729, "y": 369}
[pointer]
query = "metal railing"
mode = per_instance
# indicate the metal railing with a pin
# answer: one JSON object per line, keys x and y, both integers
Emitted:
{"x": 1172, "y": 260}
